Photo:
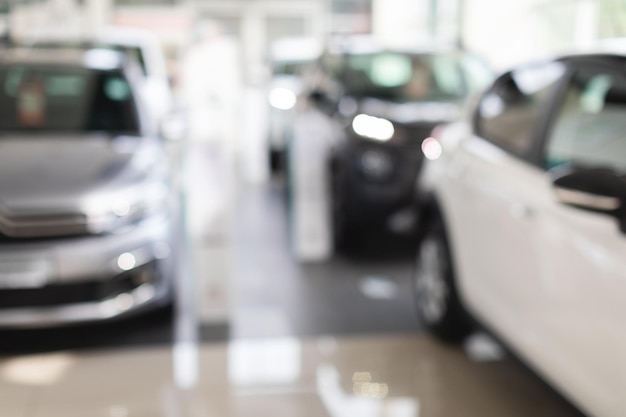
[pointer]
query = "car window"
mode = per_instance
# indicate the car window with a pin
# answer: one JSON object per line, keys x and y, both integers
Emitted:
{"x": 590, "y": 128}
{"x": 331, "y": 64}
{"x": 287, "y": 67}
{"x": 509, "y": 111}
{"x": 65, "y": 99}
{"x": 133, "y": 52}
{"x": 407, "y": 77}
{"x": 477, "y": 73}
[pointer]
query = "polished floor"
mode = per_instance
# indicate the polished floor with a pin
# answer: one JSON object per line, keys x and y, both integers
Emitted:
{"x": 367, "y": 290}
{"x": 256, "y": 333}
{"x": 395, "y": 375}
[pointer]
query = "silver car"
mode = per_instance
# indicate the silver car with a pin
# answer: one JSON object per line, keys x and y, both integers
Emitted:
{"x": 87, "y": 208}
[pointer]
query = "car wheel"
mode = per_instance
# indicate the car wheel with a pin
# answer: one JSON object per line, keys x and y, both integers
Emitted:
{"x": 437, "y": 300}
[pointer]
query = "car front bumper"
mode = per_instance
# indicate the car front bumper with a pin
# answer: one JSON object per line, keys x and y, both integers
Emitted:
{"x": 60, "y": 281}
{"x": 368, "y": 197}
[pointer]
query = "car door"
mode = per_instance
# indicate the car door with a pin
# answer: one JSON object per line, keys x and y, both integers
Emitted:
{"x": 581, "y": 308}
{"x": 493, "y": 198}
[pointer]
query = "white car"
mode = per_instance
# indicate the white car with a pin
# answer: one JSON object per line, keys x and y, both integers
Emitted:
{"x": 147, "y": 49}
{"x": 524, "y": 220}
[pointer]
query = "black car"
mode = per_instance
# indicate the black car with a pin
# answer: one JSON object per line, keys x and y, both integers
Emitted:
{"x": 380, "y": 105}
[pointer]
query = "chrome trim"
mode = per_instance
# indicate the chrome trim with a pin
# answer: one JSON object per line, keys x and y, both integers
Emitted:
{"x": 587, "y": 200}
{"x": 123, "y": 303}
{"x": 43, "y": 225}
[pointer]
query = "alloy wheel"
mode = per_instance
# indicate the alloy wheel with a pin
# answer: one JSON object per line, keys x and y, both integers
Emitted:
{"x": 431, "y": 286}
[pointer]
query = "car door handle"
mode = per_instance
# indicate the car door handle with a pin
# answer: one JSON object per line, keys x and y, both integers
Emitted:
{"x": 520, "y": 211}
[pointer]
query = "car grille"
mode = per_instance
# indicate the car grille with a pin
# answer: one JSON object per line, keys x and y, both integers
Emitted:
{"x": 415, "y": 135}
{"x": 80, "y": 292}
{"x": 38, "y": 226}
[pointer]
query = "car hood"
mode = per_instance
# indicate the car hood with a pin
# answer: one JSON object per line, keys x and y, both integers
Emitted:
{"x": 409, "y": 113}
{"x": 57, "y": 174}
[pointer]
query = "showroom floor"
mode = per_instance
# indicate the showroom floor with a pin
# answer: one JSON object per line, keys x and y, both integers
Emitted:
{"x": 256, "y": 333}
{"x": 397, "y": 375}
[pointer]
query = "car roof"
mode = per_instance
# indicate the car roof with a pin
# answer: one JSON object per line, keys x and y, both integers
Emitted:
{"x": 98, "y": 59}
{"x": 147, "y": 42}
{"x": 367, "y": 44}
{"x": 611, "y": 50}
{"x": 607, "y": 57}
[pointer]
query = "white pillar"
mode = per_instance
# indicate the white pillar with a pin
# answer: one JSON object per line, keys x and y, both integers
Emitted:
{"x": 586, "y": 24}
{"x": 97, "y": 15}
{"x": 400, "y": 23}
{"x": 253, "y": 150}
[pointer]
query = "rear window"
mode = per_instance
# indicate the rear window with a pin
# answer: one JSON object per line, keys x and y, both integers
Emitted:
{"x": 65, "y": 99}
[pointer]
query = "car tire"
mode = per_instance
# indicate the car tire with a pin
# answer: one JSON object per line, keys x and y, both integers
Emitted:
{"x": 276, "y": 160}
{"x": 438, "y": 303}
{"x": 341, "y": 232}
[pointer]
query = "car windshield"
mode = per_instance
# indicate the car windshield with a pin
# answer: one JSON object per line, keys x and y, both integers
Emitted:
{"x": 286, "y": 67}
{"x": 70, "y": 99}
{"x": 413, "y": 77}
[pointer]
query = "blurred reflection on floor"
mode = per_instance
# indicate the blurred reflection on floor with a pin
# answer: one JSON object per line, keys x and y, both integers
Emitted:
{"x": 391, "y": 376}
{"x": 298, "y": 337}
{"x": 298, "y": 345}
{"x": 337, "y": 339}
{"x": 367, "y": 290}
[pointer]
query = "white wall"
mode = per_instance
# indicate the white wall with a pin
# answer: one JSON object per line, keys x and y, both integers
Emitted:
{"x": 510, "y": 32}
{"x": 400, "y": 23}
{"x": 507, "y": 32}
{"x": 51, "y": 18}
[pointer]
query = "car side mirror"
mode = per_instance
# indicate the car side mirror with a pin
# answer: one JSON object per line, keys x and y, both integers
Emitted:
{"x": 597, "y": 189}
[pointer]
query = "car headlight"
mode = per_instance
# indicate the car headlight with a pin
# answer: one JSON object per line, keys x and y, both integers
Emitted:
{"x": 108, "y": 211}
{"x": 371, "y": 127}
{"x": 282, "y": 98}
